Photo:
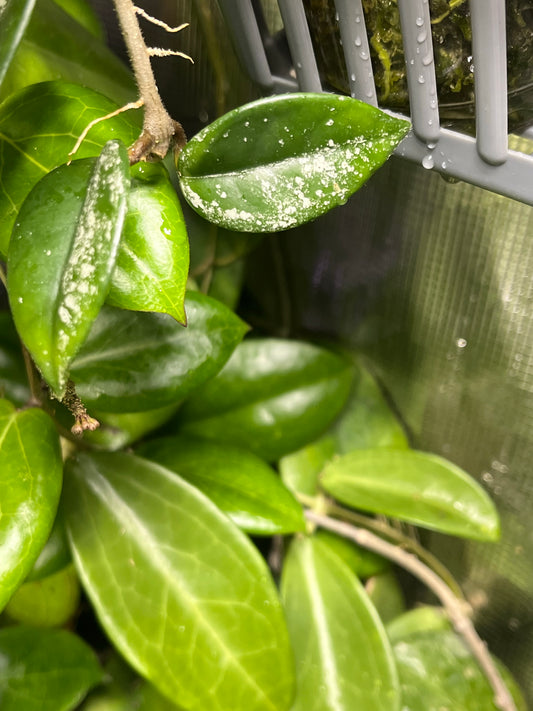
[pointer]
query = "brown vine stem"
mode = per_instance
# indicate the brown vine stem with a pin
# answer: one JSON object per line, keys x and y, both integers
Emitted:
{"x": 329, "y": 508}
{"x": 455, "y": 608}
{"x": 160, "y": 131}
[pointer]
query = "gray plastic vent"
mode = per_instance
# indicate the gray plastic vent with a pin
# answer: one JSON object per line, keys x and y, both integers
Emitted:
{"x": 485, "y": 160}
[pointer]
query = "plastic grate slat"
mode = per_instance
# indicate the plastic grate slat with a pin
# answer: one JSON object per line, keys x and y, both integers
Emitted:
{"x": 420, "y": 67}
{"x": 356, "y": 50}
{"x": 300, "y": 45}
{"x": 490, "y": 77}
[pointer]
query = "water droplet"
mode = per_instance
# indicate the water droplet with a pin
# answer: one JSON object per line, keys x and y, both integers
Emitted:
{"x": 419, "y": 21}
{"x": 352, "y": 77}
{"x": 461, "y": 342}
{"x": 358, "y": 18}
{"x": 421, "y": 37}
{"x": 427, "y": 161}
{"x": 427, "y": 60}
{"x": 20, "y": 300}
{"x": 431, "y": 145}
{"x": 363, "y": 55}
{"x": 330, "y": 122}
{"x": 358, "y": 42}
{"x": 181, "y": 628}
{"x": 421, "y": 79}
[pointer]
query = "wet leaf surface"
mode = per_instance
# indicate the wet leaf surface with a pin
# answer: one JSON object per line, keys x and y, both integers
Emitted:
{"x": 284, "y": 160}
{"x": 62, "y": 256}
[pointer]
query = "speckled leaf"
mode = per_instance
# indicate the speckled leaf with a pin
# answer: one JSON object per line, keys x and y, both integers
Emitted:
{"x": 286, "y": 159}
{"x": 39, "y": 126}
{"x": 14, "y": 18}
{"x": 186, "y": 598}
{"x": 437, "y": 672}
{"x": 45, "y": 670}
{"x": 153, "y": 257}
{"x": 418, "y": 487}
{"x": 343, "y": 657}
{"x": 237, "y": 481}
{"x": 272, "y": 397}
{"x": 30, "y": 484}
{"x": 133, "y": 362}
{"x": 56, "y": 46}
{"x": 62, "y": 255}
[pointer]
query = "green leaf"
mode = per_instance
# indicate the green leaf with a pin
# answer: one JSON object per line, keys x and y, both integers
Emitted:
{"x": 44, "y": 670}
{"x": 49, "y": 602}
{"x": 13, "y": 377}
{"x": 437, "y": 672}
{"x": 360, "y": 561}
{"x": 54, "y": 556}
{"x": 284, "y": 160}
{"x": 186, "y": 598}
{"x": 118, "y": 430}
{"x": 83, "y": 13}
{"x": 237, "y": 481}
{"x": 56, "y": 46}
{"x": 387, "y": 595}
{"x": 343, "y": 657}
{"x": 153, "y": 258}
{"x": 272, "y": 397}
{"x": 418, "y": 621}
{"x": 366, "y": 422}
{"x": 421, "y": 488}
{"x": 133, "y": 362}
{"x": 30, "y": 484}
{"x": 14, "y": 18}
{"x": 62, "y": 255}
{"x": 39, "y": 127}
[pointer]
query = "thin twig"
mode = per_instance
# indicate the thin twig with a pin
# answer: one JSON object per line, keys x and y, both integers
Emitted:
{"x": 330, "y": 508}
{"x": 455, "y": 608}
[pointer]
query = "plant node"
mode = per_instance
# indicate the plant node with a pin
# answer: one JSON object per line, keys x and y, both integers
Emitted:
{"x": 82, "y": 420}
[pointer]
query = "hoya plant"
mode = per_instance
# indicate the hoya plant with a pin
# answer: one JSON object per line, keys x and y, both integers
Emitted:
{"x": 194, "y": 515}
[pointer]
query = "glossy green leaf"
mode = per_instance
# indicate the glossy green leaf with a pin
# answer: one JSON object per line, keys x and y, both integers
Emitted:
{"x": 48, "y": 602}
{"x": 387, "y": 595}
{"x": 237, "y": 481}
{"x": 62, "y": 254}
{"x": 286, "y": 159}
{"x": 57, "y": 46}
{"x": 30, "y": 484}
{"x": 437, "y": 672}
{"x": 44, "y": 670}
{"x": 272, "y": 397}
{"x": 186, "y": 598}
{"x": 133, "y": 362}
{"x": 360, "y": 561}
{"x": 118, "y": 430}
{"x": 343, "y": 657}
{"x": 366, "y": 422}
{"x": 83, "y": 13}
{"x": 55, "y": 554}
{"x": 153, "y": 258}
{"x": 300, "y": 470}
{"x": 425, "y": 618}
{"x": 39, "y": 127}
{"x": 418, "y": 487}
{"x": 13, "y": 378}
{"x": 14, "y": 18}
